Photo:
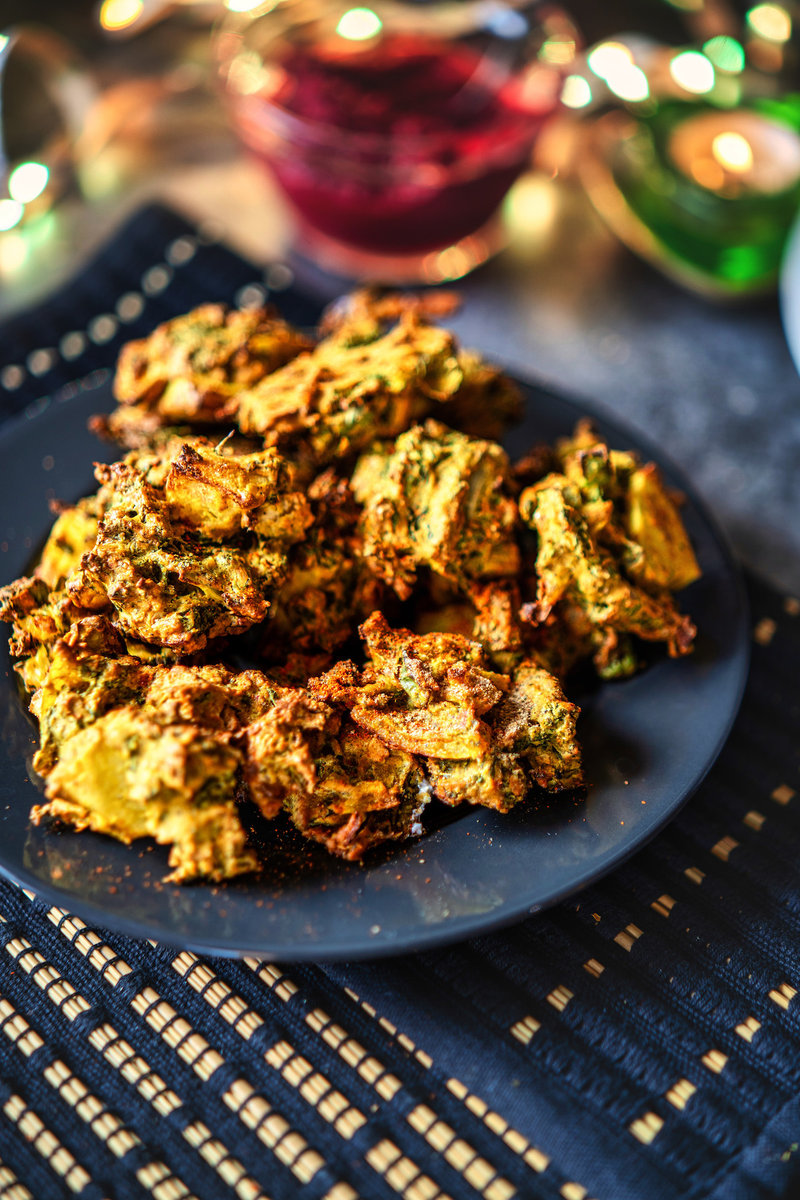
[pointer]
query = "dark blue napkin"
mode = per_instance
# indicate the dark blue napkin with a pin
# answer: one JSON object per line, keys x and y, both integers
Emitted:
{"x": 641, "y": 1042}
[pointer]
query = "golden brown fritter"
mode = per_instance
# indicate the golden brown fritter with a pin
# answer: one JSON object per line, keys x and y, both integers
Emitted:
{"x": 134, "y": 749}
{"x": 487, "y": 402}
{"x": 73, "y": 533}
{"x": 611, "y": 549}
{"x": 220, "y": 496}
{"x": 365, "y": 793}
{"x": 195, "y": 560}
{"x": 353, "y": 387}
{"x": 327, "y": 589}
{"x": 280, "y": 747}
{"x": 166, "y": 587}
{"x": 130, "y": 776}
{"x": 436, "y": 498}
{"x": 339, "y": 784}
{"x": 39, "y": 617}
{"x": 192, "y": 368}
{"x": 434, "y": 696}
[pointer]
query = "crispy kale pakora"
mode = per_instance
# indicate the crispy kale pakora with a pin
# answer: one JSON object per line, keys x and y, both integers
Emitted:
{"x": 434, "y": 695}
{"x": 611, "y": 551}
{"x": 436, "y": 498}
{"x": 197, "y": 560}
{"x": 189, "y": 638}
{"x": 191, "y": 370}
{"x": 382, "y": 366}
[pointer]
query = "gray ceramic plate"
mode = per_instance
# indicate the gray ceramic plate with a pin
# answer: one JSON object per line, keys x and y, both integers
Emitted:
{"x": 648, "y": 743}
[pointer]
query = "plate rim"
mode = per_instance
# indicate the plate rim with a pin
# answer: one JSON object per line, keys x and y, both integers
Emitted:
{"x": 460, "y": 928}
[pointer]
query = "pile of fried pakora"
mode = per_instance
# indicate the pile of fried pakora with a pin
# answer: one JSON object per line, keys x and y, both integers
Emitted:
{"x": 314, "y": 585}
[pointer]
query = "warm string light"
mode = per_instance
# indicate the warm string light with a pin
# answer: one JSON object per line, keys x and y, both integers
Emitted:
{"x": 732, "y": 151}
{"x": 771, "y": 22}
{"x": 359, "y": 24}
{"x": 613, "y": 63}
{"x": 693, "y": 72}
{"x": 119, "y": 14}
{"x": 26, "y": 182}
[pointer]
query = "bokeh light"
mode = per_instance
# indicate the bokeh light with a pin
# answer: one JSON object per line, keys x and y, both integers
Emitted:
{"x": 613, "y": 62}
{"x": 10, "y": 214}
{"x": 631, "y": 85}
{"x": 119, "y": 14}
{"x": 770, "y": 21}
{"x": 558, "y": 51}
{"x": 576, "y": 92}
{"x": 725, "y": 53}
{"x": 27, "y": 181}
{"x": 693, "y": 72}
{"x": 609, "y": 57}
{"x": 359, "y": 24}
{"x": 732, "y": 151}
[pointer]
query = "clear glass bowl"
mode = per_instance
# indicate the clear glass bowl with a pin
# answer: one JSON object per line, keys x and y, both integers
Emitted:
{"x": 394, "y": 131}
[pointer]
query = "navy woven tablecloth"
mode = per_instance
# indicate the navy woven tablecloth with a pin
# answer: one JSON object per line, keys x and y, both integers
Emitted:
{"x": 637, "y": 1043}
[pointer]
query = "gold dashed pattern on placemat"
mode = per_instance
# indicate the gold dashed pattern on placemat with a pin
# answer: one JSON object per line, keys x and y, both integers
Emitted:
{"x": 715, "y": 1060}
{"x": 663, "y": 905}
{"x": 218, "y": 994}
{"x": 524, "y": 1030}
{"x": 783, "y": 995}
{"x": 162, "y": 1184}
{"x": 573, "y": 1191}
{"x": 748, "y": 1029}
{"x": 10, "y": 1186}
{"x": 403, "y": 1175}
{"x": 478, "y": 1172}
{"x": 368, "y": 1067}
{"x": 228, "y": 1168}
{"x": 694, "y": 874}
{"x": 331, "y": 1104}
{"x": 559, "y": 998}
{"x": 646, "y": 1128}
{"x": 177, "y": 1033}
{"x": 754, "y": 820}
{"x": 33, "y": 1129}
{"x": 594, "y": 967}
{"x": 119, "y": 1054}
{"x": 680, "y": 1093}
{"x": 273, "y": 1130}
{"x": 782, "y": 794}
{"x": 90, "y": 945}
{"x": 499, "y": 1126}
{"x": 57, "y": 989}
{"x": 17, "y": 1029}
{"x": 724, "y": 848}
{"x": 341, "y": 1191}
{"x": 288, "y": 1145}
{"x": 274, "y": 978}
{"x": 402, "y": 1039}
{"x": 103, "y": 1123}
{"x": 627, "y": 936}
{"x": 291, "y": 1148}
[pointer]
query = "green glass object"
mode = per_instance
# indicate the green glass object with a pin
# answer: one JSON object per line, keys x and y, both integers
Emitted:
{"x": 713, "y": 190}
